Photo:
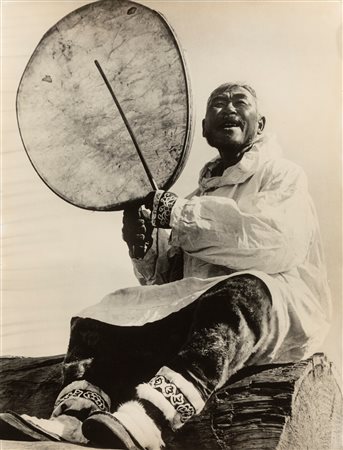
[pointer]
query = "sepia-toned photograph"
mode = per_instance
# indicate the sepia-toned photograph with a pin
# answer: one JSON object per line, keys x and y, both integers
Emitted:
{"x": 171, "y": 233}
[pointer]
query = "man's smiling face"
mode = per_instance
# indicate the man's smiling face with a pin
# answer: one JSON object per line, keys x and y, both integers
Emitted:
{"x": 232, "y": 120}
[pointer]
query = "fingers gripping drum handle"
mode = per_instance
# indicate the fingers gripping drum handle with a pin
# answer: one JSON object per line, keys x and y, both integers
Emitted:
{"x": 137, "y": 231}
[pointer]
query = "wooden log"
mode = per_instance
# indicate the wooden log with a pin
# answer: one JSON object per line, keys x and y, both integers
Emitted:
{"x": 293, "y": 406}
{"x": 30, "y": 385}
{"x": 21, "y": 445}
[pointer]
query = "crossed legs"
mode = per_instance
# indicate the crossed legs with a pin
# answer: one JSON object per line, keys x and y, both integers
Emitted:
{"x": 126, "y": 384}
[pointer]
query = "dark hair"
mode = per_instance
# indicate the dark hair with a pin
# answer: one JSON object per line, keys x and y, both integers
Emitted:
{"x": 225, "y": 86}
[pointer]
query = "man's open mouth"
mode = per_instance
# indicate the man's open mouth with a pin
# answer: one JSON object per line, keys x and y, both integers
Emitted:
{"x": 231, "y": 123}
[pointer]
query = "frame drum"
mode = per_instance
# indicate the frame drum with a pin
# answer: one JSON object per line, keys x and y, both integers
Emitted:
{"x": 70, "y": 127}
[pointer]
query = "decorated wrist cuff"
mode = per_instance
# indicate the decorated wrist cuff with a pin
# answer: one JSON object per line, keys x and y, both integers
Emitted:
{"x": 161, "y": 209}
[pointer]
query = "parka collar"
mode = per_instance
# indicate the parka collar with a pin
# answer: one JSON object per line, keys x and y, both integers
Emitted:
{"x": 263, "y": 149}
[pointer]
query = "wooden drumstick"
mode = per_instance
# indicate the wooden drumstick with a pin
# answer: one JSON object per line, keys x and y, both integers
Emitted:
{"x": 138, "y": 251}
{"x": 128, "y": 127}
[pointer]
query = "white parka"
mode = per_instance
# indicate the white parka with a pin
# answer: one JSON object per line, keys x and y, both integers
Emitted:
{"x": 256, "y": 218}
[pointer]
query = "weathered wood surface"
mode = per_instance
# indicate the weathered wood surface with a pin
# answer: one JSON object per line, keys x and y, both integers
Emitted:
{"x": 20, "y": 445}
{"x": 69, "y": 124}
{"x": 278, "y": 407}
{"x": 30, "y": 385}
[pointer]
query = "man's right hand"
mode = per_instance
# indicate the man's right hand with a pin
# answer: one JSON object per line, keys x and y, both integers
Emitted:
{"x": 137, "y": 231}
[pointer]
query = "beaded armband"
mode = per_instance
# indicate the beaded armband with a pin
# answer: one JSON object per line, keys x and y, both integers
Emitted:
{"x": 161, "y": 209}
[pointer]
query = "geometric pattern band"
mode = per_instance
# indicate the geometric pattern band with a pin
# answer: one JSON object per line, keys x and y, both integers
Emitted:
{"x": 162, "y": 208}
{"x": 89, "y": 395}
{"x": 172, "y": 393}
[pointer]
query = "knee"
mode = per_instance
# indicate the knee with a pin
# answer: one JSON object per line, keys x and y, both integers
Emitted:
{"x": 244, "y": 298}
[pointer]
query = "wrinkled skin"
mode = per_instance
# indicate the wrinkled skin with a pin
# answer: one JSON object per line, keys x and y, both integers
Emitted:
{"x": 232, "y": 122}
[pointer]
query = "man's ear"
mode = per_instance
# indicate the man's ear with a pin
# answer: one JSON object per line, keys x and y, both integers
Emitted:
{"x": 261, "y": 124}
{"x": 203, "y": 128}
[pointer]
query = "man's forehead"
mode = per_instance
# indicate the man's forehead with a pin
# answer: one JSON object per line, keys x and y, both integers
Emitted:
{"x": 232, "y": 89}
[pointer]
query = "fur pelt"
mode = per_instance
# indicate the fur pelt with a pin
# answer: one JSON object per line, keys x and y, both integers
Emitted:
{"x": 134, "y": 418}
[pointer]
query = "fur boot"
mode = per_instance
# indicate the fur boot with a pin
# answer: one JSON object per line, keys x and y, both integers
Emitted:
{"x": 167, "y": 398}
{"x": 74, "y": 403}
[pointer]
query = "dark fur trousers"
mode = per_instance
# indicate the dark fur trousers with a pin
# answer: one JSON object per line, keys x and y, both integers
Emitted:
{"x": 206, "y": 342}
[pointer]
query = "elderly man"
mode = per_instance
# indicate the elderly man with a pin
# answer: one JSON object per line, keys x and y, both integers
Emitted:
{"x": 233, "y": 276}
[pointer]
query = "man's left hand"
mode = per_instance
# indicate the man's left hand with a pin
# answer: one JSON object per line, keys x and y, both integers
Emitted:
{"x": 160, "y": 204}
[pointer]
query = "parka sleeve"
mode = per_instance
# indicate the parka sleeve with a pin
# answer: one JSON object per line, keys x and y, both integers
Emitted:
{"x": 270, "y": 230}
{"x": 161, "y": 264}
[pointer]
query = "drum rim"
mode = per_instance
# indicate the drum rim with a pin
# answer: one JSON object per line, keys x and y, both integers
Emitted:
{"x": 187, "y": 141}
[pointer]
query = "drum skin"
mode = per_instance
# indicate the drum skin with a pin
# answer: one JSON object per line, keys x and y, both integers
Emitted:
{"x": 70, "y": 127}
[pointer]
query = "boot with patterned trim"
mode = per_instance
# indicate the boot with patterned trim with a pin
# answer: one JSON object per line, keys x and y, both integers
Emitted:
{"x": 74, "y": 403}
{"x": 167, "y": 398}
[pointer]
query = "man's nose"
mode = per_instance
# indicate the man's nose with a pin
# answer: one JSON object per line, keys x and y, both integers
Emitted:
{"x": 229, "y": 108}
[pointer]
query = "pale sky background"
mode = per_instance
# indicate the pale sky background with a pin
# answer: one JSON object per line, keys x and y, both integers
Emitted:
{"x": 57, "y": 259}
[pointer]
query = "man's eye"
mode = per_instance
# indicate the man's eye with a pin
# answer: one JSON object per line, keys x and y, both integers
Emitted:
{"x": 218, "y": 103}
